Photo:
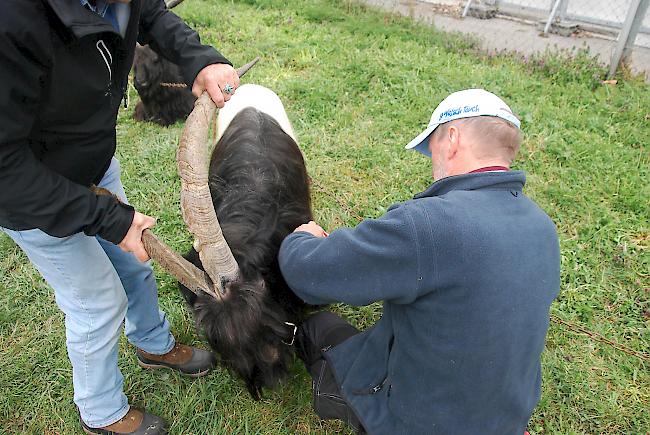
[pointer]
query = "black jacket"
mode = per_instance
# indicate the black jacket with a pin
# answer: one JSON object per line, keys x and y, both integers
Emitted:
{"x": 63, "y": 73}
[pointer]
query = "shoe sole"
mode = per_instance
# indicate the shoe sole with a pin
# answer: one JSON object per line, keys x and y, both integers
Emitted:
{"x": 88, "y": 431}
{"x": 162, "y": 430}
{"x": 162, "y": 366}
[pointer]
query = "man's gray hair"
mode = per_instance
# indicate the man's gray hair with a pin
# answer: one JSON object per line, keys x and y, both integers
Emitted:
{"x": 496, "y": 137}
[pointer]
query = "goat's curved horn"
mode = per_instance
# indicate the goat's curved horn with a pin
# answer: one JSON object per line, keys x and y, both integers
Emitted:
{"x": 188, "y": 274}
{"x": 244, "y": 68}
{"x": 196, "y": 201}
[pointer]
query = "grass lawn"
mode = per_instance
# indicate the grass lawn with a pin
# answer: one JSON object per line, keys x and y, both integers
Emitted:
{"x": 358, "y": 84}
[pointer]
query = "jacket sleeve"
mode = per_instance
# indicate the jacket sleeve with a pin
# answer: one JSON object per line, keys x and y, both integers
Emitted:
{"x": 377, "y": 260}
{"x": 176, "y": 41}
{"x": 31, "y": 195}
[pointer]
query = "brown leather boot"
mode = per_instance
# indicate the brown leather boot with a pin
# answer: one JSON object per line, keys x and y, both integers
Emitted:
{"x": 190, "y": 361}
{"x": 135, "y": 422}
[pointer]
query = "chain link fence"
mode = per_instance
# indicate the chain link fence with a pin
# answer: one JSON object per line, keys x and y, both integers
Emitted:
{"x": 616, "y": 32}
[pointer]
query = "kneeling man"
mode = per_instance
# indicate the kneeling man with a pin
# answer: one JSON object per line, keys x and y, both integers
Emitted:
{"x": 466, "y": 271}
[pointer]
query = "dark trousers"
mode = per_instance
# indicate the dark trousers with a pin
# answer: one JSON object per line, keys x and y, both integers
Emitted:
{"x": 315, "y": 335}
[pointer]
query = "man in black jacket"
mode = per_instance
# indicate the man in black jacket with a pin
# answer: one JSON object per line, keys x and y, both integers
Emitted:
{"x": 65, "y": 66}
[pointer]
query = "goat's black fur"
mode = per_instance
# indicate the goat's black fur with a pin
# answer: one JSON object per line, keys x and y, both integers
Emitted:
{"x": 260, "y": 192}
{"x": 159, "y": 104}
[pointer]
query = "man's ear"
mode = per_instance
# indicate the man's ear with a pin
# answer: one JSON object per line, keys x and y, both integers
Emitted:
{"x": 454, "y": 142}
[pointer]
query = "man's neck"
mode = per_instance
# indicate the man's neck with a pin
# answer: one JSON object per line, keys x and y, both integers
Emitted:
{"x": 478, "y": 165}
{"x": 496, "y": 168}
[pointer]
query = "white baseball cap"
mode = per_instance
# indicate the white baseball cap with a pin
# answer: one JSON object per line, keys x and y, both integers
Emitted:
{"x": 463, "y": 104}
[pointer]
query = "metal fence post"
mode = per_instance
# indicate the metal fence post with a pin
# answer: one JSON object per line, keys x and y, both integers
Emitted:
{"x": 486, "y": 9}
{"x": 467, "y": 6}
{"x": 551, "y": 17}
{"x": 626, "y": 38}
{"x": 562, "y": 10}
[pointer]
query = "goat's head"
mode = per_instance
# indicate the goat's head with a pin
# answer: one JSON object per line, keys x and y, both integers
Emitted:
{"x": 148, "y": 69}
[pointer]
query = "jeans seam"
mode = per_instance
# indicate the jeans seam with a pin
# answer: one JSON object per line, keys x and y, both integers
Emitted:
{"x": 108, "y": 422}
{"x": 163, "y": 352}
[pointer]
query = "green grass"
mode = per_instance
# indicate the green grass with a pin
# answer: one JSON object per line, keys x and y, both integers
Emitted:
{"x": 358, "y": 84}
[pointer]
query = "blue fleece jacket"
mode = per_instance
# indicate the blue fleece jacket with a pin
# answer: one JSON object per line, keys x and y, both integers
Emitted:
{"x": 467, "y": 271}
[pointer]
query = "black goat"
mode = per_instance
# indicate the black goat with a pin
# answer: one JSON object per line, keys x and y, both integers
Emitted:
{"x": 164, "y": 99}
{"x": 260, "y": 192}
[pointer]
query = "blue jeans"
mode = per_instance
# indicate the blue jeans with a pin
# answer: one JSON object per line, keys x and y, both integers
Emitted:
{"x": 97, "y": 286}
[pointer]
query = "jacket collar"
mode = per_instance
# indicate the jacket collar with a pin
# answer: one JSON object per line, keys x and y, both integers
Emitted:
{"x": 511, "y": 180}
{"x": 81, "y": 21}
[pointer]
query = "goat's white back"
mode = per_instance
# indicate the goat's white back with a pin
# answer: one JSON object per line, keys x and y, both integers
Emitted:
{"x": 259, "y": 97}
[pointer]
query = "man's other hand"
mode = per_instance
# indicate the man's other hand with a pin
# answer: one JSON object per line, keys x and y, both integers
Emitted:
{"x": 312, "y": 228}
{"x": 220, "y": 80}
{"x": 132, "y": 242}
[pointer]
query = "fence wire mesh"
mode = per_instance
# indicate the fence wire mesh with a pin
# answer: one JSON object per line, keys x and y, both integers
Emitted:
{"x": 535, "y": 26}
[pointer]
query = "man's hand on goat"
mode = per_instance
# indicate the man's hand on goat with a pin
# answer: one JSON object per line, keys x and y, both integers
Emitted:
{"x": 312, "y": 228}
{"x": 220, "y": 80}
{"x": 132, "y": 242}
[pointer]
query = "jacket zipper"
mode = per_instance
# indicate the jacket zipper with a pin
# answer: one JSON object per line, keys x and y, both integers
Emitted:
{"x": 108, "y": 61}
{"x": 372, "y": 390}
